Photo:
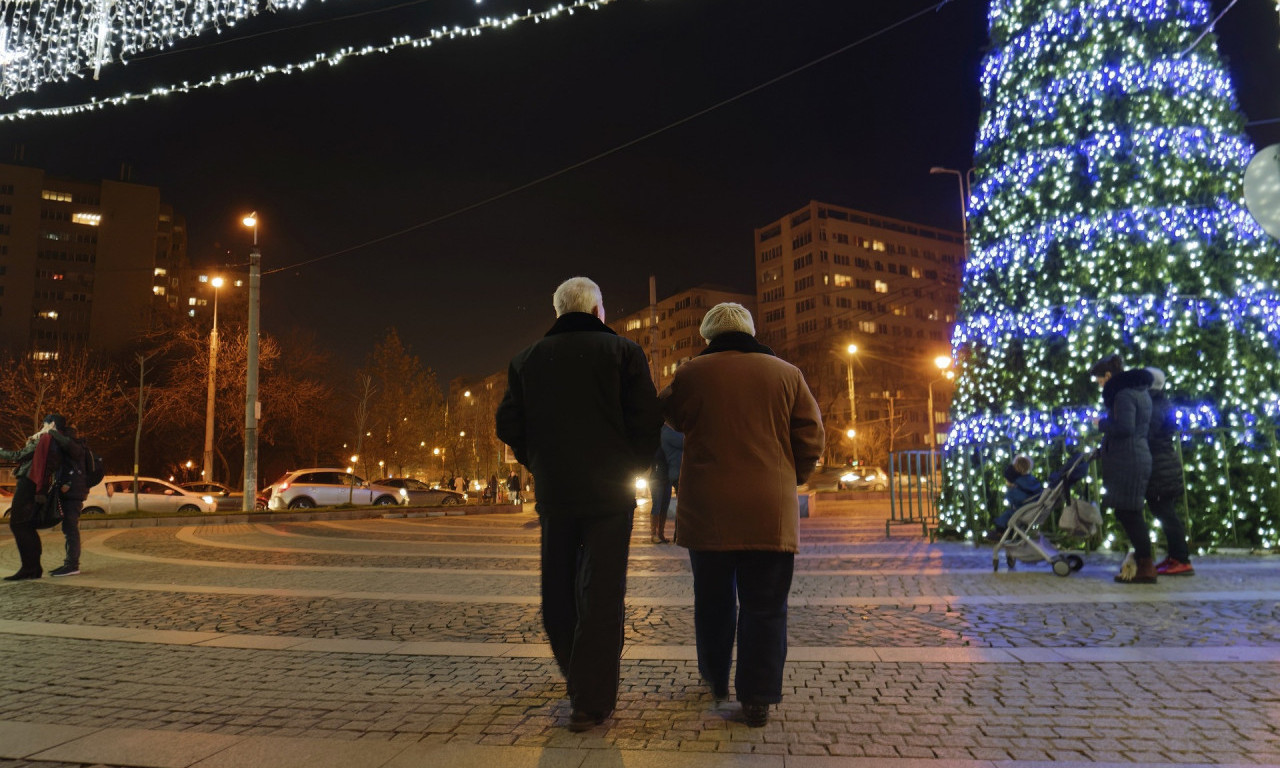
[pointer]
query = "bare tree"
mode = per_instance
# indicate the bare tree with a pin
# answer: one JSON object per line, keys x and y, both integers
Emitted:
{"x": 72, "y": 382}
{"x": 407, "y": 412}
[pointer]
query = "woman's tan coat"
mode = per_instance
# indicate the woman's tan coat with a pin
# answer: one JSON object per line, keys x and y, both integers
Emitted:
{"x": 753, "y": 432}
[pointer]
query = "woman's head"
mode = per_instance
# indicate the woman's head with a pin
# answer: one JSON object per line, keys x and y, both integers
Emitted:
{"x": 726, "y": 318}
{"x": 1107, "y": 367}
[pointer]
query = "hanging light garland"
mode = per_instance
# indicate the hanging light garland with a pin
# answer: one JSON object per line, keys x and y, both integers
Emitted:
{"x": 332, "y": 58}
{"x": 44, "y": 42}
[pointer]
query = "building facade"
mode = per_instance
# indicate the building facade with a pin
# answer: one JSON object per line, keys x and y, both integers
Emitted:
{"x": 668, "y": 331}
{"x": 84, "y": 263}
{"x": 829, "y": 277}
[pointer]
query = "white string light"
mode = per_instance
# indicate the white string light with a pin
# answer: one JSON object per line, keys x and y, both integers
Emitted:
{"x": 332, "y": 58}
{"x": 46, "y": 42}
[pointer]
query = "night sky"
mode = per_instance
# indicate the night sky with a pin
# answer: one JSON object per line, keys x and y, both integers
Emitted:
{"x": 340, "y": 156}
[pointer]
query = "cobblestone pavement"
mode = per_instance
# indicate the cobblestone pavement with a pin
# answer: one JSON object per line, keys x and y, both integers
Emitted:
{"x": 417, "y": 641}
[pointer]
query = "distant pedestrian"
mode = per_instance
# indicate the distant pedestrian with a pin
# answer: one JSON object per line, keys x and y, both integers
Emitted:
{"x": 460, "y": 484}
{"x": 513, "y": 487}
{"x": 1165, "y": 487}
{"x": 753, "y": 432}
{"x": 38, "y": 460}
{"x": 665, "y": 476}
{"x": 581, "y": 413}
{"x": 491, "y": 490}
{"x": 1125, "y": 457}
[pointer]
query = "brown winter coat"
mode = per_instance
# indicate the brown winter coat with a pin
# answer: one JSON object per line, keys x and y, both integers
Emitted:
{"x": 752, "y": 433}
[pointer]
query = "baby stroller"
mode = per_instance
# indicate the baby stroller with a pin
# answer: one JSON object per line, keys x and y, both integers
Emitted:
{"x": 1017, "y": 541}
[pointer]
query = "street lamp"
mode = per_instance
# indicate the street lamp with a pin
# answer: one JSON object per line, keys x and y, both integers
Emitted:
{"x": 964, "y": 206}
{"x": 853, "y": 401}
{"x": 213, "y": 376}
{"x": 251, "y": 406}
{"x": 943, "y": 364}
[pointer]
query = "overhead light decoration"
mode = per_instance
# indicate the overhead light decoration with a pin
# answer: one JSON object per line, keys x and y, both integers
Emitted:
{"x": 332, "y": 58}
{"x": 1107, "y": 216}
{"x": 45, "y": 42}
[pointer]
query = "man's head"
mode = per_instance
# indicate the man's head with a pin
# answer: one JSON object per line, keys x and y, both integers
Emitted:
{"x": 579, "y": 294}
{"x": 58, "y": 421}
{"x": 727, "y": 317}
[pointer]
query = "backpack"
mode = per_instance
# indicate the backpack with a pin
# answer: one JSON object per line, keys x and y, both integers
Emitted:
{"x": 93, "y": 467}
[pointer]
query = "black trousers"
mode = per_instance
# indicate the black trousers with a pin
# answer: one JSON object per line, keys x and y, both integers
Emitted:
{"x": 21, "y": 524}
{"x": 584, "y": 583}
{"x": 744, "y": 593}
{"x": 1164, "y": 508}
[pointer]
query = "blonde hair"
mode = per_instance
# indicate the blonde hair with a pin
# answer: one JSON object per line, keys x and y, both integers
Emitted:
{"x": 1022, "y": 464}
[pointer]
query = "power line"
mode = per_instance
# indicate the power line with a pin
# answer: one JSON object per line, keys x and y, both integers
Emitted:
{"x": 933, "y": 7}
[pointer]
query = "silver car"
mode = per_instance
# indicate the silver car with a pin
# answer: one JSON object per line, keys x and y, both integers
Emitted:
{"x": 419, "y": 494}
{"x": 328, "y": 487}
{"x": 115, "y": 494}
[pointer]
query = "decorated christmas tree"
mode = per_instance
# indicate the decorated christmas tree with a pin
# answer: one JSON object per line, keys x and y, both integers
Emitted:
{"x": 1107, "y": 215}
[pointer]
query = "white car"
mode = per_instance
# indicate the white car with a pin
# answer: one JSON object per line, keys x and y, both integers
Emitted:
{"x": 115, "y": 494}
{"x": 419, "y": 494}
{"x": 328, "y": 487}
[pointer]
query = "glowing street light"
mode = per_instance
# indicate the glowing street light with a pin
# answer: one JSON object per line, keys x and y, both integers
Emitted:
{"x": 853, "y": 401}
{"x": 251, "y": 406}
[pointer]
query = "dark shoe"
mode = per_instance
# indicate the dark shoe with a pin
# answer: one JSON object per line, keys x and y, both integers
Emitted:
{"x": 755, "y": 715}
{"x": 581, "y": 720}
{"x": 65, "y": 570}
{"x": 1171, "y": 567}
{"x": 718, "y": 692}
{"x": 1144, "y": 574}
{"x": 24, "y": 575}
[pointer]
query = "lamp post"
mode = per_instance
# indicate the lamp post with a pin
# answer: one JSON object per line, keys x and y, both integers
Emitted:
{"x": 853, "y": 402}
{"x": 207, "y": 474}
{"x": 944, "y": 364}
{"x": 251, "y": 371}
{"x": 964, "y": 206}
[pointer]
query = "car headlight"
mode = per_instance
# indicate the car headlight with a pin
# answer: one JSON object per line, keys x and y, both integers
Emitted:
{"x": 848, "y": 478}
{"x": 641, "y": 483}
{"x": 207, "y": 499}
{"x": 404, "y": 493}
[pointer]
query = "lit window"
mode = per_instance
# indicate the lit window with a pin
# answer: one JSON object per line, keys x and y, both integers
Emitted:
{"x": 866, "y": 326}
{"x": 882, "y": 286}
{"x": 633, "y": 325}
{"x": 161, "y": 271}
{"x": 157, "y": 290}
{"x": 89, "y": 219}
{"x": 48, "y": 314}
{"x": 204, "y": 278}
{"x": 191, "y": 313}
{"x": 57, "y": 197}
{"x": 238, "y": 283}
{"x": 40, "y": 355}
{"x": 843, "y": 281}
{"x": 191, "y": 302}
{"x": 877, "y": 245}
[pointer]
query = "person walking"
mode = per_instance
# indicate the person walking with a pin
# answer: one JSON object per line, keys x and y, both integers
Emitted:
{"x": 37, "y": 460}
{"x": 665, "y": 475}
{"x": 491, "y": 490}
{"x": 72, "y": 490}
{"x": 513, "y": 487}
{"x": 580, "y": 411}
{"x": 753, "y": 432}
{"x": 1125, "y": 456}
{"x": 1165, "y": 486}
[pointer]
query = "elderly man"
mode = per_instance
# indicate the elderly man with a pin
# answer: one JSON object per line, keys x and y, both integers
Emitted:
{"x": 752, "y": 433}
{"x": 580, "y": 411}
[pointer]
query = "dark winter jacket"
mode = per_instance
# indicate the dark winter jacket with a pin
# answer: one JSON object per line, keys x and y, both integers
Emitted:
{"x": 666, "y": 462}
{"x": 1125, "y": 457}
{"x": 1024, "y": 489}
{"x": 72, "y": 474}
{"x": 580, "y": 411}
{"x": 1166, "y": 466}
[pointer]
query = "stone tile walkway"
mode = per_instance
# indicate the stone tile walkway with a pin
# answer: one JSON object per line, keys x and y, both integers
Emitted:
{"x": 417, "y": 641}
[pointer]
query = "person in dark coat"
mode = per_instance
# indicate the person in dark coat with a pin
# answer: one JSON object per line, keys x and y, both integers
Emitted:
{"x": 666, "y": 474}
{"x": 580, "y": 411}
{"x": 1125, "y": 457}
{"x": 1165, "y": 486}
{"x": 38, "y": 459}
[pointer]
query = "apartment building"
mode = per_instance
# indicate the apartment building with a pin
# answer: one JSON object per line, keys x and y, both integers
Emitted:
{"x": 668, "y": 331}
{"x": 83, "y": 263}
{"x": 828, "y": 277}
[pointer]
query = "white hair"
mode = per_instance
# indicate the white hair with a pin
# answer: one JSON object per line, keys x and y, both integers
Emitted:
{"x": 577, "y": 294}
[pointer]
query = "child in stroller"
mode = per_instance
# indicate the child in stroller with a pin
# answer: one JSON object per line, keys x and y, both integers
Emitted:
{"x": 1022, "y": 487}
{"x": 1017, "y": 541}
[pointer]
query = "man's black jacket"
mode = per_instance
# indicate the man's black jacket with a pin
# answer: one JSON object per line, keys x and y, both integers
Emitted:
{"x": 580, "y": 411}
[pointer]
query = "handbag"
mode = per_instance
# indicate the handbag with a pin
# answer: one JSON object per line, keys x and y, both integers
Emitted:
{"x": 48, "y": 514}
{"x": 1080, "y": 518}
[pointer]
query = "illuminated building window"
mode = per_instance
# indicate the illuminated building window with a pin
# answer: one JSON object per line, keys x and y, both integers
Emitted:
{"x": 57, "y": 197}
{"x": 89, "y": 219}
{"x": 44, "y": 355}
{"x": 157, "y": 290}
{"x": 866, "y": 326}
{"x": 843, "y": 281}
{"x": 191, "y": 302}
{"x": 161, "y": 271}
{"x": 882, "y": 286}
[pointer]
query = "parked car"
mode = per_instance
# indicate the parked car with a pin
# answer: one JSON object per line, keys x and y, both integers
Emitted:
{"x": 420, "y": 494}
{"x": 841, "y": 477}
{"x": 115, "y": 494}
{"x": 328, "y": 487}
{"x": 224, "y": 497}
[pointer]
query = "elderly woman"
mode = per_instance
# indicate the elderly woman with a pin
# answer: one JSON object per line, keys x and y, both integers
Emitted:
{"x": 753, "y": 432}
{"x": 1126, "y": 457}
